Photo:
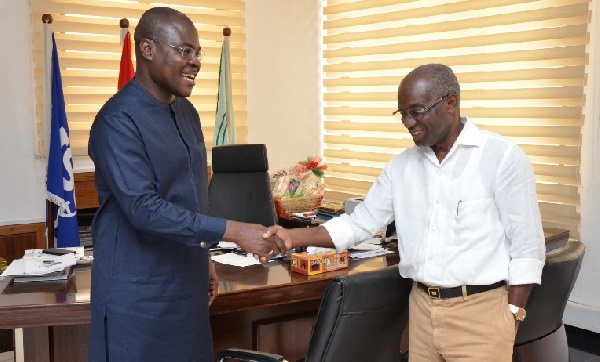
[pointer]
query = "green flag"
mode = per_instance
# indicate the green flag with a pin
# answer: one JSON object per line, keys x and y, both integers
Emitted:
{"x": 224, "y": 120}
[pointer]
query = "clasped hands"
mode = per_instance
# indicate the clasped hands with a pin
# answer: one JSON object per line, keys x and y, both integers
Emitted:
{"x": 277, "y": 240}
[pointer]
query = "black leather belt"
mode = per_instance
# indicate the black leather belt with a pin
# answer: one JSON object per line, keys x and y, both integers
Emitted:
{"x": 445, "y": 293}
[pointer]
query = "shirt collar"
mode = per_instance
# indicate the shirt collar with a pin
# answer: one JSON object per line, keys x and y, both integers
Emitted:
{"x": 470, "y": 134}
{"x": 469, "y": 137}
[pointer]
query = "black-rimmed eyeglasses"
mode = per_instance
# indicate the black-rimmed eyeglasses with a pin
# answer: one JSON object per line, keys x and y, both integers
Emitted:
{"x": 186, "y": 52}
{"x": 416, "y": 114}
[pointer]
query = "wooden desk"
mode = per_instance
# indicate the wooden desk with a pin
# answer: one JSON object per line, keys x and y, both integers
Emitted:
{"x": 254, "y": 305}
{"x": 259, "y": 307}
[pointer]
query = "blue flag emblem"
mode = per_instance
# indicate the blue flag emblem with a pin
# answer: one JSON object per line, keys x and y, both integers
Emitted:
{"x": 60, "y": 186}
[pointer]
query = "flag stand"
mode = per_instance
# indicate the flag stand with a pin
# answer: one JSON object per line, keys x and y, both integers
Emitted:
{"x": 50, "y": 228}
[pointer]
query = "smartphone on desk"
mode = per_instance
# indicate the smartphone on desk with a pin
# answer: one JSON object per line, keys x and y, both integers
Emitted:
{"x": 57, "y": 251}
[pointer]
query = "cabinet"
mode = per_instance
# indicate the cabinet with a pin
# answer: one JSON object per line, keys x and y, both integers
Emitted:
{"x": 14, "y": 239}
{"x": 85, "y": 191}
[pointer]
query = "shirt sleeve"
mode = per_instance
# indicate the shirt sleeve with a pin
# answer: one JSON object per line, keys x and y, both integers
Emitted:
{"x": 118, "y": 152}
{"x": 517, "y": 201}
{"x": 368, "y": 217}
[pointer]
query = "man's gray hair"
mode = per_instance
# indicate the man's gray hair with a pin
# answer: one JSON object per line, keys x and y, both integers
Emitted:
{"x": 442, "y": 78}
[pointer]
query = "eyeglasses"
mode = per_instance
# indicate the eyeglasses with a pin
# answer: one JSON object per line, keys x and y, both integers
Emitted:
{"x": 186, "y": 52}
{"x": 416, "y": 114}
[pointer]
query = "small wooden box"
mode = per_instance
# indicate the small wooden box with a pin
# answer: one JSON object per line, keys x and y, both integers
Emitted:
{"x": 311, "y": 264}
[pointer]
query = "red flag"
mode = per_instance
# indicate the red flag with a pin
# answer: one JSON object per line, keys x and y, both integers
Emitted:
{"x": 126, "y": 69}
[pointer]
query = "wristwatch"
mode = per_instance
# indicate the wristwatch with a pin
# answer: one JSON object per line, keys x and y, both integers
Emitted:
{"x": 518, "y": 312}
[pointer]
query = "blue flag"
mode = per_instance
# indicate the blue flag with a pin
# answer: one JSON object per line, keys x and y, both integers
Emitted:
{"x": 60, "y": 186}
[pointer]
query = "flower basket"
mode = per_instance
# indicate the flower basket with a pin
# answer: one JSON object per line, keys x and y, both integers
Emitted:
{"x": 299, "y": 188}
{"x": 287, "y": 206}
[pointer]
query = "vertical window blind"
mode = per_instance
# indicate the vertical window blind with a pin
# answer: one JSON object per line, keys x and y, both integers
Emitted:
{"x": 87, "y": 36}
{"x": 522, "y": 69}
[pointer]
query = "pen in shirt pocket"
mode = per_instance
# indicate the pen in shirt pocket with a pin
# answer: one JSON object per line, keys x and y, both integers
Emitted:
{"x": 457, "y": 205}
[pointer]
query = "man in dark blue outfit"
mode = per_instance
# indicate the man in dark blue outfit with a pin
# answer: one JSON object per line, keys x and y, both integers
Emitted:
{"x": 152, "y": 278}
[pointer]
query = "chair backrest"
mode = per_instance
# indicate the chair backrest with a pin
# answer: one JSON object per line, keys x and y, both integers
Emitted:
{"x": 361, "y": 318}
{"x": 547, "y": 301}
{"x": 239, "y": 188}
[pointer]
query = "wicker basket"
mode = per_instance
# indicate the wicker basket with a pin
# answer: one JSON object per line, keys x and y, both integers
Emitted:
{"x": 287, "y": 206}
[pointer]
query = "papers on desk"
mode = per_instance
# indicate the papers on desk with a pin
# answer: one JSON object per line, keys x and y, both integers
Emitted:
{"x": 233, "y": 255}
{"x": 367, "y": 249}
{"x": 236, "y": 259}
{"x": 225, "y": 245}
{"x": 59, "y": 275}
{"x": 37, "y": 266}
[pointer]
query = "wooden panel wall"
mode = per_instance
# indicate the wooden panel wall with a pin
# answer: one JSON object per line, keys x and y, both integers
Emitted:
{"x": 85, "y": 190}
{"x": 14, "y": 239}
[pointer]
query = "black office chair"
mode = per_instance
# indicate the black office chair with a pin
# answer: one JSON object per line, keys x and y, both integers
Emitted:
{"x": 239, "y": 188}
{"x": 361, "y": 318}
{"x": 541, "y": 336}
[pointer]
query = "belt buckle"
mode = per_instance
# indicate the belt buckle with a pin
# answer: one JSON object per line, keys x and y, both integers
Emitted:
{"x": 434, "y": 292}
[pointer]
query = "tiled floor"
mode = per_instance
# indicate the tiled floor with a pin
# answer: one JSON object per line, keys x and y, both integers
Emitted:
{"x": 584, "y": 346}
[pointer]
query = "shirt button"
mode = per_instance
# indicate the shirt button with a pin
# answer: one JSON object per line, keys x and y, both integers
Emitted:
{"x": 203, "y": 244}
{"x": 430, "y": 257}
{"x": 437, "y": 201}
{"x": 434, "y": 228}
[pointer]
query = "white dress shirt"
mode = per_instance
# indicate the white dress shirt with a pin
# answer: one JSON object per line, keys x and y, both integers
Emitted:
{"x": 471, "y": 219}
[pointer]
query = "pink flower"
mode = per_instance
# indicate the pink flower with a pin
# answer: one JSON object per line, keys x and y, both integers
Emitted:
{"x": 313, "y": 163}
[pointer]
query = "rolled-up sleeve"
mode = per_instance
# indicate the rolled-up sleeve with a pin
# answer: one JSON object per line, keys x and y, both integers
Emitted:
{"x": 517, "y": 201}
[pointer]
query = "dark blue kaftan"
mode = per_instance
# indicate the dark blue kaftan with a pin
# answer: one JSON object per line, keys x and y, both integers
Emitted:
{"x": 149, "y": 292}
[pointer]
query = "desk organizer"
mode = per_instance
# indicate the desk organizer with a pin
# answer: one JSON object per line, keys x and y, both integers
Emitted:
{"x": 311, "y": 264}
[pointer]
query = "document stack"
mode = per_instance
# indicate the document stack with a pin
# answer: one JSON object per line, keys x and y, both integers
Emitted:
{"x": 36, "y": 266}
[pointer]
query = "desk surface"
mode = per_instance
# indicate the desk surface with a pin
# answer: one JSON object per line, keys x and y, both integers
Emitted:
{"x": 68, "y": 303}
{"x": 272, "y": 284}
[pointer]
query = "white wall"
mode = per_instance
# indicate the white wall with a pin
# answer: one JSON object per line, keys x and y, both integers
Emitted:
{"x": 284, "y": 112}
{"x": 583, "y": 309}
{"x": 22, "y": 175}
{"x": 283, "y": 54}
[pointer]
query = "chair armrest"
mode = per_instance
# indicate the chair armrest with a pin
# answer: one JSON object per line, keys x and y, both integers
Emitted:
{"x": 248, "y": 355}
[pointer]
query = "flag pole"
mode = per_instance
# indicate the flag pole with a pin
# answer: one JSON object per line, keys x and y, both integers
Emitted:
{"x": 229, "y": 114}
{"x": 124, "y": 25}
{"x": 225, "y": 132}
{"x": 47, "y": 20}
{"x": 126, "y": 71}
{"x": 60, "y": 185}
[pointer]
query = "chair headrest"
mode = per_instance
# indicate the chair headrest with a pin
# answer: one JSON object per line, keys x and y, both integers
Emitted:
{"x": 240, "y": 158}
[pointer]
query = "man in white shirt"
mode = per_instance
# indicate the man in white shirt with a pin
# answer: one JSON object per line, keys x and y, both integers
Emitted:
{"x": 468, "y": 224}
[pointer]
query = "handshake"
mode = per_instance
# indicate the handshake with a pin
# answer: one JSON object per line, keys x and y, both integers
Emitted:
{"x": 280, "y": 241}
{"x": 259, "y": 240}
{"x": 265, "y": 242}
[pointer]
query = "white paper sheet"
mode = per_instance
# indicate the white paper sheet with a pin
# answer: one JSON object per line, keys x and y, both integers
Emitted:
{"x": 235, "y": 259}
